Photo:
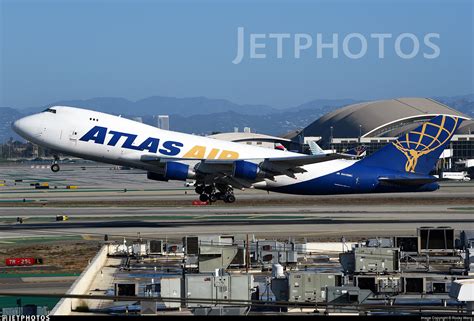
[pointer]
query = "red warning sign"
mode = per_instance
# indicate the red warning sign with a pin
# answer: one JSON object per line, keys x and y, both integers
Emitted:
{"x": 19, "y": 261}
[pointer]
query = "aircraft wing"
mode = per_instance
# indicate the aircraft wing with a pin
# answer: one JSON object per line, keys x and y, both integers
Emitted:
{"x": 291, "y": 161}
{"x": 304, "y": 160}
{"x": 275, "y": 166}
{"x": 225, "y": 169}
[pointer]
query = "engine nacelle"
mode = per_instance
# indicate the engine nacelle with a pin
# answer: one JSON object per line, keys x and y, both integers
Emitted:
{"x": 174, "y": 171}
{"x": 178, "y": 171}
{"x": 245, "y": 170}
{"x": 156, "y": 177}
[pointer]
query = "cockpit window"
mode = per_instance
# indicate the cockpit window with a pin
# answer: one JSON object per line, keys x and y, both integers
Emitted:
{"x": 50, "y": 110}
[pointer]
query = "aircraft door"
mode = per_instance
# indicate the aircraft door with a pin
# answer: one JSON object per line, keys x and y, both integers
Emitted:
{"x": 73, "y": 137}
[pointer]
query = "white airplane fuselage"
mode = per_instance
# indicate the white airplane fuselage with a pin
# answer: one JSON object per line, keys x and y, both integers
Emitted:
{"x": 62, "y": 132}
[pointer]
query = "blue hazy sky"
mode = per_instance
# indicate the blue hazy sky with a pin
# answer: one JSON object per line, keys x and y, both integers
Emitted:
{"x": 65, "y": 49}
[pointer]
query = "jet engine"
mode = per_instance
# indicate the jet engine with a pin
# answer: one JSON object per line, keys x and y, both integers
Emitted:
{"x": 246, "y": 170}
{"x": 173, "y": 171}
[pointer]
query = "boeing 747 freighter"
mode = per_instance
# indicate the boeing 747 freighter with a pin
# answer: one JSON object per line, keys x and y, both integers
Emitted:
{"x": 217, "y": 166}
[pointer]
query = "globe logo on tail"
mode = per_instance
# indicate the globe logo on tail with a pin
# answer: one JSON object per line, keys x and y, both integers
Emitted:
{"x": 425, "y": 139}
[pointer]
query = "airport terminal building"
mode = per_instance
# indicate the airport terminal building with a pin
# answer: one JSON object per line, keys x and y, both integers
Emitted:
{"x": 376, "y": 123}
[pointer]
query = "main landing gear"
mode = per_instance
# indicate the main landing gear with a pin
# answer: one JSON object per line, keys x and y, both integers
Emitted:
{"x": 213, "y": 193}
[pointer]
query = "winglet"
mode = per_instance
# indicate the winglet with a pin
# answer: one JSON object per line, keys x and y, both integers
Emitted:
{"x": 315, "y": 149}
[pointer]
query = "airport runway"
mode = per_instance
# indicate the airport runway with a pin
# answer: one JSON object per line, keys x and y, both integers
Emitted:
{"x": 279, "y": 221}
{"x": 156, "y": 209}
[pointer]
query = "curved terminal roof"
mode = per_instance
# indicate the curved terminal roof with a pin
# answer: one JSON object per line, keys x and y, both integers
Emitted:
{"x": 466, "y": 128}
{"x": 381, "y": 118}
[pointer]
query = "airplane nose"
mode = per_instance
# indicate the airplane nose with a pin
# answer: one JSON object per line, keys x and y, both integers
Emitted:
{"x": 27, "y": 127}
{"x": 16, "y": 125}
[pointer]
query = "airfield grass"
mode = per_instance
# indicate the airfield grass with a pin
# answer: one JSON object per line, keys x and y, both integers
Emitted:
{"x": 10, "y": 301}
{"x": 65, "y": 254}
{"x": 462, "y": 208}
{"x": 36, "y": 240}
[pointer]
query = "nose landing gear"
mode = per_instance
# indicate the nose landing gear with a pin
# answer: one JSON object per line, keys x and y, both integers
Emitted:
{"x": 55, "y": 166}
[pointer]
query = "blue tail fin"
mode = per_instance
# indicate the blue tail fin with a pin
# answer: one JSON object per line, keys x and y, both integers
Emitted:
{"x": 419, "y": 150}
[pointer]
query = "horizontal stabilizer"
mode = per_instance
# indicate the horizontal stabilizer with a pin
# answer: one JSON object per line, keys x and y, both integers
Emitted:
{"x": 407, "y": 181}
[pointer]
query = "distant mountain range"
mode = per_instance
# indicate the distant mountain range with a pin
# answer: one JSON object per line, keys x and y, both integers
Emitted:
{"x": 464, "y": 104}
{"x": 201, "y": 115}
{"x": 155, "y": 105}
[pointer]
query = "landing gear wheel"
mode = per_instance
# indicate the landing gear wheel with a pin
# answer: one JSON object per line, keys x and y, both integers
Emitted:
{"x": 213, "y": 198}
{"x": 199, "y": 189}
{"x": 229, "y": 198}
{"x": 203, "y": 197}
{"x": 55, "y": 168}
{"x": 209, "y": 189}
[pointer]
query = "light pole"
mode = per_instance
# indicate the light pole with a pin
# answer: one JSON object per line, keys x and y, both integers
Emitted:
{"x": 332, "y": 128}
